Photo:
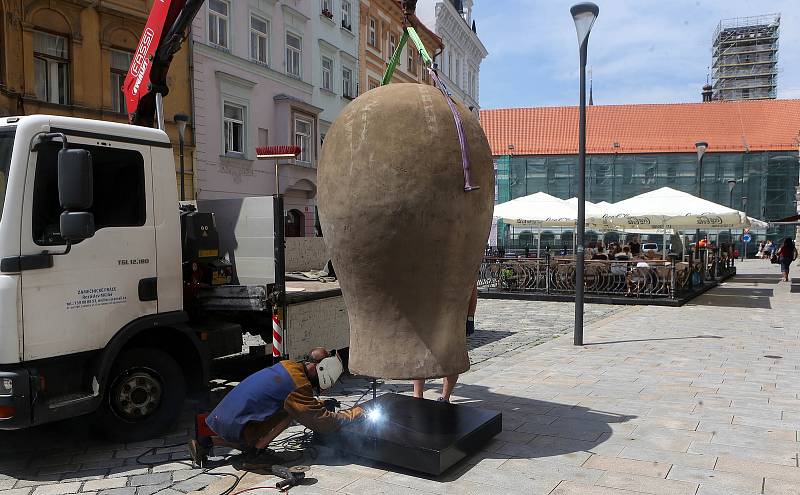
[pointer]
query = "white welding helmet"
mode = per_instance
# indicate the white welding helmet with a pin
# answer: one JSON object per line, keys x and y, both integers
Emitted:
{"x": 328, "y": 371}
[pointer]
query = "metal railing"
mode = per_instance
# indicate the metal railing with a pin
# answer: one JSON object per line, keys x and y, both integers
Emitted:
{"x": 556, "y": 275}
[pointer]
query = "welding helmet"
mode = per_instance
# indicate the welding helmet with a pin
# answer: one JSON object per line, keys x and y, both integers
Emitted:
{"x": 328, "y": 371}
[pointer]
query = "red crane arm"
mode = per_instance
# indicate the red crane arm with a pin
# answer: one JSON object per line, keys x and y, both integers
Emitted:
{"x": 162, "y": 37}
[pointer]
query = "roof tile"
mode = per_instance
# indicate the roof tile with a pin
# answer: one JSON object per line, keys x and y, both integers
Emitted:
{"x": 734, "y": 126}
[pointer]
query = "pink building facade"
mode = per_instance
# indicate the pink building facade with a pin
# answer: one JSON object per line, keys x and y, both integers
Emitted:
{"x": 252, "y": 76}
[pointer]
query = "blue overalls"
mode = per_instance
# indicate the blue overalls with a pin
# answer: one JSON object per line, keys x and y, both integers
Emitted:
{"x": 256, "y": 398}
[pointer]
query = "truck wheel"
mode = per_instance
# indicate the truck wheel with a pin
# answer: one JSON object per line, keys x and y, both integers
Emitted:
{"x": 146, "y": 389}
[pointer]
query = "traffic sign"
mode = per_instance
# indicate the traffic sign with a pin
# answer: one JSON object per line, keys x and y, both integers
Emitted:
{"x": 746, "y": 238}
{"x": 746, "y": 230}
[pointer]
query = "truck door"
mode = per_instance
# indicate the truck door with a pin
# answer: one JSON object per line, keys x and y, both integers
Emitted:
{"x": 104, "y": 282}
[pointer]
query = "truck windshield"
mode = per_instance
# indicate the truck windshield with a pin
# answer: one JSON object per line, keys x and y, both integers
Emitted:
{"x": 6, "y": 145}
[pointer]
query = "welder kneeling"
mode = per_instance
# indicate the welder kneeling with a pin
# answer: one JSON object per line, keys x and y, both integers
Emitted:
{"x": 263, "y": 405}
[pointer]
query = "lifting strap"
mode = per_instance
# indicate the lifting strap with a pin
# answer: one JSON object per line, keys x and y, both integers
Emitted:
{"x": 410, "y": 33}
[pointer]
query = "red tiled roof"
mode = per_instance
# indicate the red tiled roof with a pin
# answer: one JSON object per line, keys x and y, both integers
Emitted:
{"x": 754, "y": 125}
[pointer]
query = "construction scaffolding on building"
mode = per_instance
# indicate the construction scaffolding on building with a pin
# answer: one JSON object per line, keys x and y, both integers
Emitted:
{"x": 745, "y": 58}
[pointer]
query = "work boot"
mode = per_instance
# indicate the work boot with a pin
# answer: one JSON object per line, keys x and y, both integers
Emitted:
{"x": 198, "y": 451}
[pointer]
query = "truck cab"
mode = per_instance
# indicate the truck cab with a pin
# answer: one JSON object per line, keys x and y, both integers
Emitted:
{"x": 78, "y": 316}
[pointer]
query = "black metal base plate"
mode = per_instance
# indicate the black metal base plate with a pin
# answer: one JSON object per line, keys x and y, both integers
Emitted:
{"x": 417, "y": 434}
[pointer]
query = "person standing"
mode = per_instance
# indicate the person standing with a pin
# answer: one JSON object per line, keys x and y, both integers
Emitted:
{"x": 451, "y": 380}
{"x": 786, "y": 254}
{"x": 636, "y": 248}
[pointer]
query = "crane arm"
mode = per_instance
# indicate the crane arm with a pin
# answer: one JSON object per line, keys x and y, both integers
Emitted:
{"x": 161, "y": 39}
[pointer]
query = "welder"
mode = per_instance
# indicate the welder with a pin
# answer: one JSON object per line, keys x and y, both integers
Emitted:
{"x": 264, "y": 404}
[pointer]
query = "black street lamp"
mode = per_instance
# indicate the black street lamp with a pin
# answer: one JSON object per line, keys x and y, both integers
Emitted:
{"x": 731, "y": 187}
{"x": 584, "y": 14}
{"x": 701, "y": 147}
{"x": 744, "y": 210}
{"x": 181, "y": 120}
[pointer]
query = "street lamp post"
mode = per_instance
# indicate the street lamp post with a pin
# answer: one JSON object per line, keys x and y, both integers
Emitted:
{"x": 731, "y": 187}
{"x": 744, "y": 210}
{"x": 584, "y": 14}
{"x": 701, "y": 147}
{"x": 181, "y": 120}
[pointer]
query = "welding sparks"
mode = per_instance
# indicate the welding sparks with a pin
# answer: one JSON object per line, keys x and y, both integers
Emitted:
{"x": 375, "y": 415}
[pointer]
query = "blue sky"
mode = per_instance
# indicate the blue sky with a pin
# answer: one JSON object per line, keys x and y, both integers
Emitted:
{"x": 640, "y": 51}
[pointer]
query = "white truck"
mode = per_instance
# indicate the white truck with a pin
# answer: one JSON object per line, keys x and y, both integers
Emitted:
{"x": 113, "y": 300}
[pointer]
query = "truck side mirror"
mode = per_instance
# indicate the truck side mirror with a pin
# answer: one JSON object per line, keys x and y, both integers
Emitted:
{"x": 75, "y": 180}
{"x": 76, "y": 226}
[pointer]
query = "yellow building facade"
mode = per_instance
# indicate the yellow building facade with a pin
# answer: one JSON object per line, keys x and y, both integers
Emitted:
{"x": 380, "y": 28}
{"x": 70, "y": 57}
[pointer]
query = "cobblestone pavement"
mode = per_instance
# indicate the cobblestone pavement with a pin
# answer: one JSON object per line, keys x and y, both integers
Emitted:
{"x": 698, "y": 400}
{"x": 64, "y": 458}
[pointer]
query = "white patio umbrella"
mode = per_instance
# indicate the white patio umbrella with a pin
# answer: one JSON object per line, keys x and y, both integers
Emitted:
{"x": 539, "y": 210}
{"x": 667, "y": 208}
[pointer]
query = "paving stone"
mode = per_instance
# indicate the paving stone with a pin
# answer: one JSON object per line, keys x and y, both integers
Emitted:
{"x": 58, "y": 489}
{"x": 551, "y": 469}
{"x": 151, "y": 489}
{"x": 647, "y": 484}
{"x": 667, "y": 457}
{"x": 126, "y": 471}
{"x": 104, "y": 484}
{"x": 17, "y": 491}
{"x": 149, "y": 479}
{"x": 780, "y": 487}
{"x": 711, "y": 481}
{"x": 196, "y": 483}
{"x": 757, "y": 469}
{"x": 119, "y": 491}
{"x": 629, "y": 466}
{"x": 572, "y": 488}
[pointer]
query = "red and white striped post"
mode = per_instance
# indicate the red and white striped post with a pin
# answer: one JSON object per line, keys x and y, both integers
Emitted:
{"x": 277, "y": 338}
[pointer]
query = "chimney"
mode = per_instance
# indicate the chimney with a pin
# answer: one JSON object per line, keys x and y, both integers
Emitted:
{"x": 706, "y": 93}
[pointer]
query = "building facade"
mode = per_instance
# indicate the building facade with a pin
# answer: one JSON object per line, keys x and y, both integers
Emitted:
{"x": 335, "y": 58}
{"x": 460, "y": 62}
{"x": 254, "y": 64}
{"x": 638, "y": 148}
{"x": 70, "y": 58}
{"x": 745, "y": 58}
{"x": 381, "y": 25}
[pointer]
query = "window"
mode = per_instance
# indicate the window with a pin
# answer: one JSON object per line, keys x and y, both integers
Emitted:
{"x": 457, "y": 75}
{"x": 347, "y": 82}
{"x": 327, "y": 73}
{"x": 218, "y": 23}
{"x": 412, "y": 66}
{"x": 51, "y": 67}
{"x": 373, "y": 33}
{"x": 259, "y": 40}
{"x": 302, "y": 138}
{"x": 346, "y": 15}
{"x": 392, "y": 44}
{"x": 119, "y": 199}
{"x": 449, "y": 64}
{"x": 373, "y": 84}
{"x": 327, "y": 9}
{"x": 294, "y": 50}
{"x": 233, "y": 128}
{"x": 120, "y": 62}
{"x": 6, "y": 146}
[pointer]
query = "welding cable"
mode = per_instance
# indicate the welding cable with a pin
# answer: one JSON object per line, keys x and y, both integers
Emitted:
{"x": 153, "y": 450}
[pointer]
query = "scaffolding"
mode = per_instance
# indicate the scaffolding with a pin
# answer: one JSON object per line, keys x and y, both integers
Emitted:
{"x": 745, "y": 58}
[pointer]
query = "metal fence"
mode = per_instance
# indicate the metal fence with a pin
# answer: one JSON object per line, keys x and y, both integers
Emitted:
{"x": 635, "y": 278}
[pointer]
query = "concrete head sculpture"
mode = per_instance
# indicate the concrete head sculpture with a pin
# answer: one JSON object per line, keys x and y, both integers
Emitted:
{"x": 405, "y": 238}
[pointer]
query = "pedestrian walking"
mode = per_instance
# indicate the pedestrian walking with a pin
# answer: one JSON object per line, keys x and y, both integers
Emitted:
{"x": 760, "y": 254}
{"x": 786, "y": 254}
